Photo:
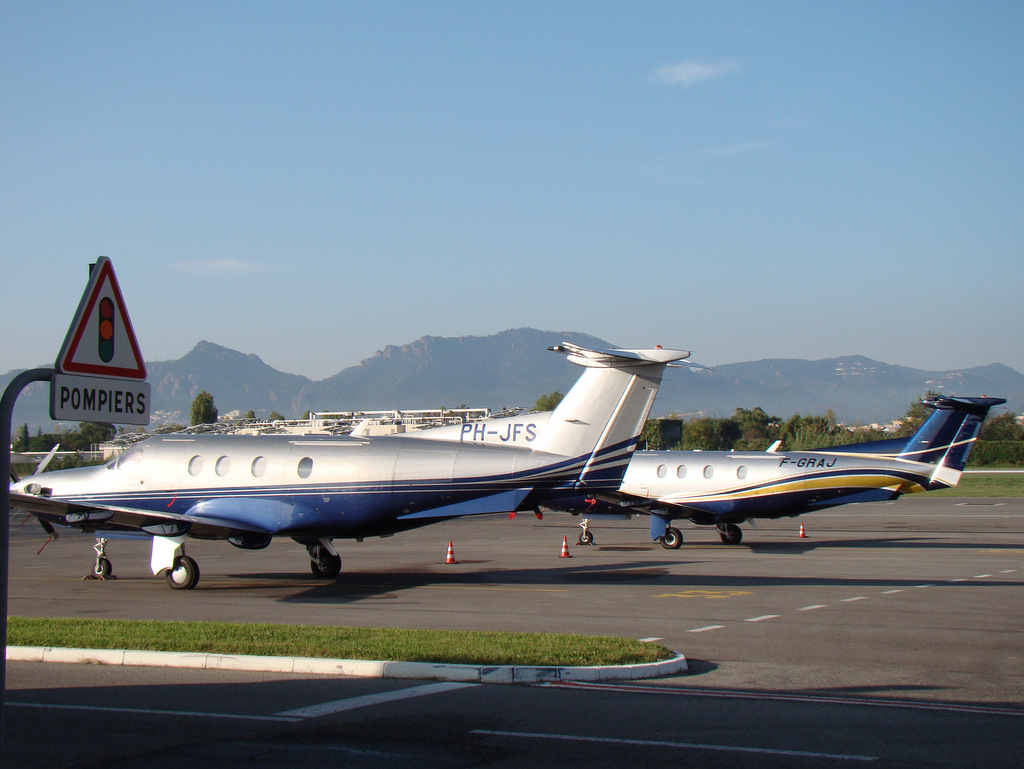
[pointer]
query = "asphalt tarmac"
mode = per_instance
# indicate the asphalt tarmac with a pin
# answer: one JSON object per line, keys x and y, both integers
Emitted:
{"x": 893, "y": 634}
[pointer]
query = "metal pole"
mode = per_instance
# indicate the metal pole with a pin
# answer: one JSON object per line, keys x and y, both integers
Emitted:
{"x": 19, "y": 383}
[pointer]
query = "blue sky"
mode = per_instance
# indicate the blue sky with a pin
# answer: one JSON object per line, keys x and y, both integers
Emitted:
{"x": 312, "y": 181}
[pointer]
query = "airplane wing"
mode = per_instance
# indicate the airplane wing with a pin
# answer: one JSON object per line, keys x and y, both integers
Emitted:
{"x": 126, "y": 519}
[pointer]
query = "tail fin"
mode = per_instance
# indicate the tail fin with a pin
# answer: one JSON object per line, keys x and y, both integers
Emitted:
{"x": 948, "y": 435}
{"x": 599, "y": 420}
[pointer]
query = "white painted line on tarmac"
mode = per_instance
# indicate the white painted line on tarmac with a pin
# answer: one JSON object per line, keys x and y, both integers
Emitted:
{"x": 891, "y": 592}
{"x": 982, "y": 576}
{"x": 1007, "y": 571}
{"x": 922, "y": 587}
{"x": 762, "y": 618}
{"x": 942, "y": 707}
{"x": 667, "y": 744}
{"x": 813, "y": 607}
{"x": 152, "y": 712}
{"x": 857, "y": 598}
{"x": 705, "y": 629}
{"x": 352, "y": 703}
{"x": 652, "y": 639}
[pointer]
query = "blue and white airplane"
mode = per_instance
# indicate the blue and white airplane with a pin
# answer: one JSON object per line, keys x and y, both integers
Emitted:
{"x": 726, "y": 488}
{"x": 315, "y": 489}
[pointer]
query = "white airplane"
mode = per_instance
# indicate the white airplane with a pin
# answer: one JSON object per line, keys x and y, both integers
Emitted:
{"x": 315, "y": 489}
{"x": 725, "y": 488}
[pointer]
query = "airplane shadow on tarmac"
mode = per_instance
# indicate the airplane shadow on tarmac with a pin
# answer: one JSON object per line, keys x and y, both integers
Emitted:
{"x": 355, "y": 586}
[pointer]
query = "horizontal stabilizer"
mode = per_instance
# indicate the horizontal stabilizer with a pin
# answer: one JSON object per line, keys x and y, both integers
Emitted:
{"x": 584, "y": 356}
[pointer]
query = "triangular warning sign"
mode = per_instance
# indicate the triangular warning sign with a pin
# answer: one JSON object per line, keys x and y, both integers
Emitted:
{"x": 101, "y": 341}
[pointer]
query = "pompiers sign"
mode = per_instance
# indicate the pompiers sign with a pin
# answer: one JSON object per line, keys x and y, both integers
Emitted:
{"x": 100, "y": 371}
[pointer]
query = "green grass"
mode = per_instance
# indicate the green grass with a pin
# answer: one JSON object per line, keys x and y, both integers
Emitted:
{"x": 985, "y": 485}
{"x": 448, "y": 646}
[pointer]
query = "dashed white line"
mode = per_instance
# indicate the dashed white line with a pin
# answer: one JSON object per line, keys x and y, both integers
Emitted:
{"x": 816, "y": 606}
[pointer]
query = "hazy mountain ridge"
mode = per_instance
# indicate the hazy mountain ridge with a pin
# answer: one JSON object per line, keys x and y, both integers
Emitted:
{"x": 513, "y": 368}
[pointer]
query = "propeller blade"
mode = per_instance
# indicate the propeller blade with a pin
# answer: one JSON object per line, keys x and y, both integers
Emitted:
{"x": 46, "y": 460}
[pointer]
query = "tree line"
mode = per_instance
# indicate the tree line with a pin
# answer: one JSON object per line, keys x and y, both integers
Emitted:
{"x": 1000, "y": 442}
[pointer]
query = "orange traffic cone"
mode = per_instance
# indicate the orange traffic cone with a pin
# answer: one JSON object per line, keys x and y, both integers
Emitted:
{"x": 565, "y": 548}
{"x": 803, "y": 534}
{"x": 450, "y": 558}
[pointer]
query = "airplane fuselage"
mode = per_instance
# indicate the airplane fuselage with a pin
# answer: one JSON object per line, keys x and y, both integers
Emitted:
{"x": 313, "y": 485}
{"x": 715, "y": 486}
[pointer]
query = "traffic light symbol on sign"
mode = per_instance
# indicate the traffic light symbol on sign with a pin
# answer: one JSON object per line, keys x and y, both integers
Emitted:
{"x": 106, "y": 340}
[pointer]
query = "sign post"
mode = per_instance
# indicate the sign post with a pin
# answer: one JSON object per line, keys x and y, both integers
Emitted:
{"x": 100, "y": 377}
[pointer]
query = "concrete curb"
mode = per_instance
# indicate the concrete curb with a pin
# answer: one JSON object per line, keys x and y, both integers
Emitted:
{"x": 484, "y": 674}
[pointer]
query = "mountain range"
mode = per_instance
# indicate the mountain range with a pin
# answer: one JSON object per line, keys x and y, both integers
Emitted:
{"x": 513, "y": 368}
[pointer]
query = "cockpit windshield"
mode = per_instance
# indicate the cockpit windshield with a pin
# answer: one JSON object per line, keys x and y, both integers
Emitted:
{"x": 129, "y": 459}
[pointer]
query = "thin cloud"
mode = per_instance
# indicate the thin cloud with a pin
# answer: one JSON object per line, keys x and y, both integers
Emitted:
{"x": 687, "y": 73}
{"x": 222, "y": 266}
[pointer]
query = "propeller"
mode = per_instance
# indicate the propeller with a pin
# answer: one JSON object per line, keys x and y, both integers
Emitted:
{"x": 47, "y": 526}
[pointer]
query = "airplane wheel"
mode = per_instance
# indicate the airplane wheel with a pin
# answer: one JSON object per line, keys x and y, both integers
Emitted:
{"x": 731, "y": 534}
{"x": 325, "y": 565}
{"x": 586, "y": 538}
{"x": 184, "y": 575}
{"x": 673, "y": 539}
{"x": 102, "y": 568}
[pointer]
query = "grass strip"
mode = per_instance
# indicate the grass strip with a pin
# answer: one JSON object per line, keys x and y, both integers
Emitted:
{"x": 985, "y": 485}
{"x": 447, "y": 646}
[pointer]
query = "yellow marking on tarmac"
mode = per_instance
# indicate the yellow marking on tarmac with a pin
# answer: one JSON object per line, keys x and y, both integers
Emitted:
{"x": 709, "y": 594}
{"x": 1016, "y": 551}
{"x": 485, "y": 587}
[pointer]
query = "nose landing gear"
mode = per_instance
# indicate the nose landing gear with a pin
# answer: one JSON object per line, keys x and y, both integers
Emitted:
{"x": 102, "y": 569}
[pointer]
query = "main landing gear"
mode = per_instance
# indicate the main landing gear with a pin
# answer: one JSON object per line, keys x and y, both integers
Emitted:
{"x": 322, "y": 562}
{"x": 184, "y": 575}
{"x": 730, "y": 533}
{"x": 673, "y": 539}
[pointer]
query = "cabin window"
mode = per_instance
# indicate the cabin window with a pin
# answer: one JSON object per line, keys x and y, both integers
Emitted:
{"x": 222, "y": 466}
{"x": 662, "y": 471}
{"x": 681, "y": 471}
{"x": 305, "y": 467}
{"x": 259, "y": 466}
{"x": 741, "y": 472}
{"x": 708, "y": 471}
{"x": 195, "y": 465}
